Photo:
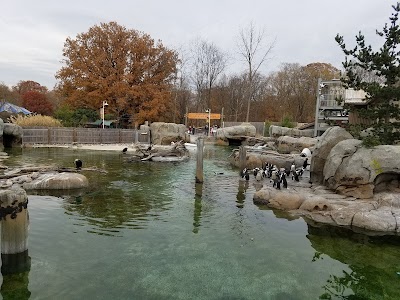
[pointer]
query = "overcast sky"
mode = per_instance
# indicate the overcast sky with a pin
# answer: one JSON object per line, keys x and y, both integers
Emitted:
{"x": 32, "y": 33}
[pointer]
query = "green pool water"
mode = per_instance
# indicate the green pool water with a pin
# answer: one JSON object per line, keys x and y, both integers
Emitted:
{"x": 145, "y": 230}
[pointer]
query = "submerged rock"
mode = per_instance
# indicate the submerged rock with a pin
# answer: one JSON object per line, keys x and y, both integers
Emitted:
{"x": 57, "y": 181}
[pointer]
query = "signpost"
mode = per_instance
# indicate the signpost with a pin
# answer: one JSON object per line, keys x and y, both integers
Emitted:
{"x": 203, "y": 116}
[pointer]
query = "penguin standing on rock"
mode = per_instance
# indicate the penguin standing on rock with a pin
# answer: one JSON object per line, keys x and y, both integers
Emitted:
{"x": 283, "y": 180}
{"x": 78, "y": 164}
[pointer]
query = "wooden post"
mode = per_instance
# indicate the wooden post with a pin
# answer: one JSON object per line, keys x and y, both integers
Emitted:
{"x": 14, "y": 221}
{"x": 74, "y": 136}
{"x": 199, "y": 165}
{"x": 242, "y": 157}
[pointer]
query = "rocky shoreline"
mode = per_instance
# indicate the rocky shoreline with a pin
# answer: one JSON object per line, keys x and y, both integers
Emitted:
{"x": 350, "y": 186}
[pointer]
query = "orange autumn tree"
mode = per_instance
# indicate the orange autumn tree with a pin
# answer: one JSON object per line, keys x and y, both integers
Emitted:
{"x": 126, "y": 68}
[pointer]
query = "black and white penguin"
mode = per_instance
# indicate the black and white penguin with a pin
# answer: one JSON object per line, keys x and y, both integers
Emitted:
{"x": 305, "y": 164}
{"x": 283, "y": 180}
{"x": 78, "y": 164}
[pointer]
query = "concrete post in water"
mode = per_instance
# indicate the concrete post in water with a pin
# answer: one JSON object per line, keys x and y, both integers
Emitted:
{"x": 242, "y": 158}
{"x": 136, "y": 136}
{"x": 199, "y": 165}
{"x": 15, "y": 265}
{"x": 14, "y": 220}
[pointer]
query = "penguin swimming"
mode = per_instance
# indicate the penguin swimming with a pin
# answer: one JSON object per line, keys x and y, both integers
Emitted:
{"x": 78, "y": 164}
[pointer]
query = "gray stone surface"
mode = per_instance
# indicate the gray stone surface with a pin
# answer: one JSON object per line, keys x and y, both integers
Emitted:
{"x": 288, "y": 144}
{"x": 326, "y": 142}
{"x": 12, "y": 135}
{"x": 357, "y": 171}
{"x": 239, "y": 133}
{"x": 165, "y": 133}
{"x": 257, "y": 158}
{"x": 57, "y": 181}
{"x": 277, "y": 131}
{"x": 379, "y": 215}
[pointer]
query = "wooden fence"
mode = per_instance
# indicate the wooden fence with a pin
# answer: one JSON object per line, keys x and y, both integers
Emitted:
{"x": 64, "y": 135}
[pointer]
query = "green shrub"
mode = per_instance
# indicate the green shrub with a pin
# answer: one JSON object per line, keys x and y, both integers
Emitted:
{"x": 287, "y": 122}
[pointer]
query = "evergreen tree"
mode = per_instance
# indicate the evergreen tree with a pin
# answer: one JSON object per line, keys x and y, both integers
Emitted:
{"x": 383, "y": 91}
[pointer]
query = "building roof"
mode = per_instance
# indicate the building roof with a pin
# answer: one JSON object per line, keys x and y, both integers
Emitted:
{"x": 12, "y": 108}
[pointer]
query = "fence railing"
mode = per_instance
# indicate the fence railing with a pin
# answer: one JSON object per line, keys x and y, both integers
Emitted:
{"x": 83, "y": 136}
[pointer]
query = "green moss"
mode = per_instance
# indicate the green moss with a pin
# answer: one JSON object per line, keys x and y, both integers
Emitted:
{"x": 376, "y": 166}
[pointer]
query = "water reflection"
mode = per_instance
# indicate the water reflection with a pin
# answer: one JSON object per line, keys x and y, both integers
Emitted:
{"x": 372, "y": 262}
{"x": 15, "y": 270}
{"x": 241, "y": 194}
{"x": 197, "y": 207}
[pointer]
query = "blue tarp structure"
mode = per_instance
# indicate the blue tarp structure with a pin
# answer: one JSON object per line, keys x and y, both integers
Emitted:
{"x": 12, "y": 108}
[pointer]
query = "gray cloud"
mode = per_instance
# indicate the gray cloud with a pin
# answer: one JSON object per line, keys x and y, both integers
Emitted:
{"x": 32, "y": 34}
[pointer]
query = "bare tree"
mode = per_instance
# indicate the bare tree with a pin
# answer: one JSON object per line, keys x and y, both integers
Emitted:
{"x": 255, "y": 51}
{"x": 208, "y": 62}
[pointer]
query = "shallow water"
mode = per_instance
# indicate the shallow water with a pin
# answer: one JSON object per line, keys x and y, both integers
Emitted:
{"x": 145, "y": 230}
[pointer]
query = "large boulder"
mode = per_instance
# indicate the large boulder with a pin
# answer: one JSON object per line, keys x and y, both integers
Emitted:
{"x": 257, "y": 159}
{"x": 235, "y": 134}
{"x": 287, "y": 144}
{"x": 165, "y": 133}
{"x": 326, "y": 142}
{"x": 57, "y": 181}
{"x": 280, "y": 199}
{"x": 319, "y": 205}
{"x": 277, "y": 131}
{"x": 353, "y": 170}
{"x": 12, "y": 135}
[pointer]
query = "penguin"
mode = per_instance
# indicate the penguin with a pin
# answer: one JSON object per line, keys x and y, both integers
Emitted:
{"x": 305, "y": 164}
{"x": 124, "y": 150}
{"x": 258, "y": 175}
{"x": 284, "y": 181}
{"x": 78, "y": 164}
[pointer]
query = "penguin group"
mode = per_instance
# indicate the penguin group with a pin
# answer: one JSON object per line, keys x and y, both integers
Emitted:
{"x": 277, "y": 176}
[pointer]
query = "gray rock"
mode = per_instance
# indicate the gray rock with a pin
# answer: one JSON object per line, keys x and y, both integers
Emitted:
{"x": 379, "y": 215}
{"x": 285, "y": 199}
{"x": 276, "y": 131}
{"x": 380, "y": 220}
{"x": 259, "y": 158}
{"x": 357, "y": 171}
{"x": 57, "y": 181}
{"x": 326, "y": 142}
{"x": 288, "y": 144}
{"x": 12, "y": 135}
{"x": 165, "y": 133}
{"x": 238, "y": 133}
